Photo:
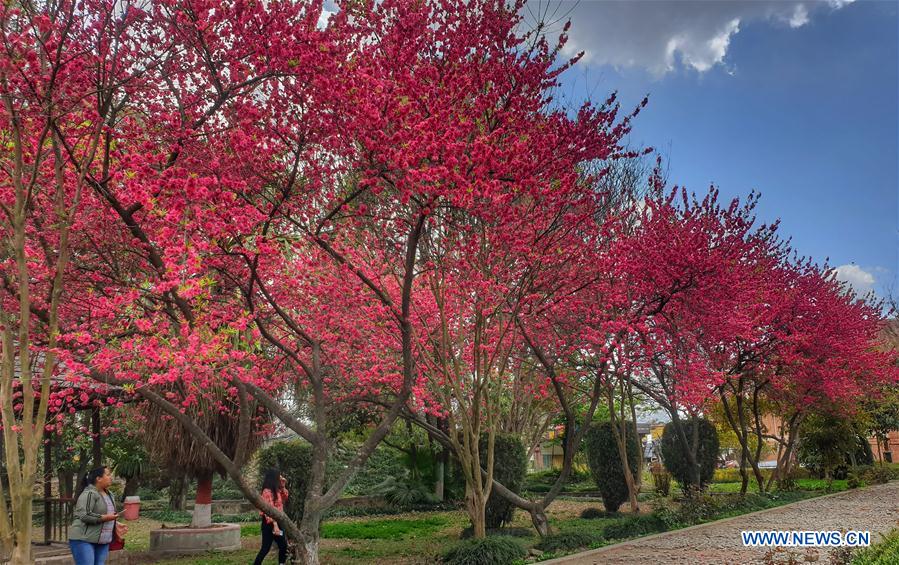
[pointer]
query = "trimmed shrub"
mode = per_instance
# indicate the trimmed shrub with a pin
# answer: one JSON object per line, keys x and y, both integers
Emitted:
{"x": 666, "y": 512}
{"x": 879, "y": 475}
{"x": 605, "y": 463}
{"x": 510, "y": 465}
{"x": 569, "y": 541}
{"x": 676, "y": 460}
{"x": 696, "y": 509}
{"x": 498, "y": 550}
{"x": 294, "y": 460}
{"x": 634, "y": 526}
{"x": 595, "y": 514}
{"x": 829, "y": 446}
{"x": 382, "y": 464}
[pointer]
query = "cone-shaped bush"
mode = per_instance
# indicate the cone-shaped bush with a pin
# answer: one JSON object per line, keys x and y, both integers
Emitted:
{"x": 605, "y": 462}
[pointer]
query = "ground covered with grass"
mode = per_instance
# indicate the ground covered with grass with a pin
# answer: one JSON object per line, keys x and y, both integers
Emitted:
{"x": 884, "y": 552}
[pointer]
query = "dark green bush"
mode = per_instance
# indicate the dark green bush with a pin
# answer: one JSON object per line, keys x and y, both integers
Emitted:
{"x": 605, "y": 463}
{"x": 225, "y": 489}
{"x": 830, "y": 445}
{"x": 146, "y": 494}
{"x": 510, "y": 466}
{"x": 542, "y": 481}
{"x": 676, "y": 459}
{"x": 569, "y": 541}
{"x": 294, "y": 460}
{"x": 404, "y": 491}
{"x": 381, "y": 465}
{"x": 634, "y": 526}
{"x": 596, "y": 513}
{"x": 497, "y": 550}
{"x": 697, "y": 509}
{"x": 166, "y": 515}
{"x": 666, "y": 512}
{"x": 879, "y": 475}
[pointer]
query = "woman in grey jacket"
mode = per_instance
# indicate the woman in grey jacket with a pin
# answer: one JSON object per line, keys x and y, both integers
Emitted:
{"x": 95, "y": 520}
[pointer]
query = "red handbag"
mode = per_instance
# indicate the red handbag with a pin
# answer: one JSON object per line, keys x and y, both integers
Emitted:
{"x": 118, "y": 542}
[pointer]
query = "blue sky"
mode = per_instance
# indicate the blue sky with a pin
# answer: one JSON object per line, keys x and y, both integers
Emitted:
{"x": 797, "y": 100}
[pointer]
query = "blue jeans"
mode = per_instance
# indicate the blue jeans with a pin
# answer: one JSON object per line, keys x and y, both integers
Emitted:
{"x": 87, "y": 553}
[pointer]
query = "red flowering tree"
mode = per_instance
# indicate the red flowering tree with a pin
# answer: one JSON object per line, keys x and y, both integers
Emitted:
{"x": 738, "y": 319}
{"x": 45, "y": 118}
{"x": 253, "y": 173}
{"x": 822, "y": 359}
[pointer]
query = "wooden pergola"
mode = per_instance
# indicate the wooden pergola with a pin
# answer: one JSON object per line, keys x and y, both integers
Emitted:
{"x": 57, "y": 511}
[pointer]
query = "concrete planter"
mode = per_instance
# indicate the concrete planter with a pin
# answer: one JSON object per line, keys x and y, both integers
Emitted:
{"x": 132, "y": 508}
{"x": 218, "y": 537}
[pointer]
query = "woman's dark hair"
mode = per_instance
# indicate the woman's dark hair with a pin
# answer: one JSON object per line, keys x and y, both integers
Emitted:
{"x": 272, "y": 481}
{"x": 91, "y": 476}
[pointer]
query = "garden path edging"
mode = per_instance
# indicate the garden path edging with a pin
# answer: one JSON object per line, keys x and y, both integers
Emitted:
{"x": 584, "y": 557}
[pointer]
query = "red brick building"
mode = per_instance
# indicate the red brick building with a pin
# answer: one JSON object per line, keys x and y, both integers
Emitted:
{"x": 888, "y": 451}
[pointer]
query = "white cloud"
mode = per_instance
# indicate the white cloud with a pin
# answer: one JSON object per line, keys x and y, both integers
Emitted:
{"x": 862, "y": 281}
{"x": 662, "y": 36}
{"x": 799, "y": 17}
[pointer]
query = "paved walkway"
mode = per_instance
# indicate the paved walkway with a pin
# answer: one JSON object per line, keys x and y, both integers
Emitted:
{"x": 874, "y": 508}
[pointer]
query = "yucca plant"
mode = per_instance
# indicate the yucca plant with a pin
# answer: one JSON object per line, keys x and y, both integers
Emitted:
{"x": 405, "y": 491}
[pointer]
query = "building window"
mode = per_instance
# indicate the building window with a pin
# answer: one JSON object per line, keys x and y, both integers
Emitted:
{"x": 547, "y": 460}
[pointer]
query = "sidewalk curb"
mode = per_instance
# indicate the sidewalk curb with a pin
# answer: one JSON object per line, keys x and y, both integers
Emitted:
{"x": 584, "y": 555}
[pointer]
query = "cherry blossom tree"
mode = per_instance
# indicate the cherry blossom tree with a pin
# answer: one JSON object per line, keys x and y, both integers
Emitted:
{"x": 45, "y": 118}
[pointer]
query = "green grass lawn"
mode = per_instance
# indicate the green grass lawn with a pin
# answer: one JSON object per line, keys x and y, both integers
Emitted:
{"x": 383, "y": 529}
{"x": 388, "y": 529}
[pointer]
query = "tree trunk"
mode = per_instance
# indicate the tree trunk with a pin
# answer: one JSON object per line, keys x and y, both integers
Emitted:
{"x": 310, "y": 532}
{"x": 131, "y": 486}
{"x": 79, "y": 477}
{"x": 21, "y": 507}
{"x": 621, "y": 444}
{"x": 96, "y": 442}
{"x": 690, "y": 448}
{"x": 631, "y": 488}
{"x": 177, "y": 492}
{"x": 6, "y": 548}
{"x": 202, "y": 517}
{"x": 538, "y": 518}
{"x": 439, "y": 479}
{"x": 66, "y": 483}
{"x": 638, "y": 479}
{"x": 619, "y": 432}
{"x": 476, "y": 506}
{"x": 744, "y": 474}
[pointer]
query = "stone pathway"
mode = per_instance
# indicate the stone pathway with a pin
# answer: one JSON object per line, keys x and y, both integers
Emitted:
{"x": 874, "y": 508}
